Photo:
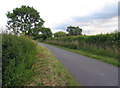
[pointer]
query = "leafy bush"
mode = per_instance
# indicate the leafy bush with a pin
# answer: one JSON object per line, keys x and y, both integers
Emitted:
{"x": 18, "y": 56}
{"x": 102, "y": 44}
{"x": 60, "y": 34}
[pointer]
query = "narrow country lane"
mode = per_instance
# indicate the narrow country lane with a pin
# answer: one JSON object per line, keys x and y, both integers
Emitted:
{"x": 88, "y": 71}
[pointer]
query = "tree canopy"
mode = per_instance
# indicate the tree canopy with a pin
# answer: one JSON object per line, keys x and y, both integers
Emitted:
{"x": 74, "y": 30}
{"x": 60, "y": 34}
{"x": 45, "y": 33}
{"x": 24, "y": 20}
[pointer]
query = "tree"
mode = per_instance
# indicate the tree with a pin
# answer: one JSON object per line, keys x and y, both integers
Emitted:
{"x": 74, "y": 30}
{"x": 24, "y": 20}
{"x": 46, "y": 32}
{"x": 60, "y": 34}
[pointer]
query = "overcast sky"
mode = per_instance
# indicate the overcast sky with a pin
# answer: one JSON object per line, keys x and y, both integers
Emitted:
{"x": 93, "y": 16}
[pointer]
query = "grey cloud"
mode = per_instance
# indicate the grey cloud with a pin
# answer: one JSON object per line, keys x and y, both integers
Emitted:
{"x": 96, "y": 19}
{"x": 108, "y": 12}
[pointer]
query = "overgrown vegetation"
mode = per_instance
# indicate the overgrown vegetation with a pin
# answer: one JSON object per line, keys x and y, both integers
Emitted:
{"x": 18, "y": 56}
{"x": 25, "y": 63}
{"x": 103, "y": 44}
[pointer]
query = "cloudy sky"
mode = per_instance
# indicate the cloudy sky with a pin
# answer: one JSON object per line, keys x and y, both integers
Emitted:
{"x": 93, "y": 16}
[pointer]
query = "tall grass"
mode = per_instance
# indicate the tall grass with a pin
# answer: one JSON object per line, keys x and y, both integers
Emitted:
{"x": 18, "y": 56}
{"x": 102, "y": 44}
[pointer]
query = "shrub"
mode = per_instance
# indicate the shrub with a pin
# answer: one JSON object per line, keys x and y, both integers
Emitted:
{"x": 18, "y": 56}
{"x": 102, "y": 44}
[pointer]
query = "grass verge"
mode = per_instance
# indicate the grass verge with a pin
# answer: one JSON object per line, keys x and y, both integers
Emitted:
{"x": 48, "y": 71}
{"x": 108, "y": 60}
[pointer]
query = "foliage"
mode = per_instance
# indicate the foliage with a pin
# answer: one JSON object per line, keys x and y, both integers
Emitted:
{"x": 102, "y": 44}
{"x": 25, "y": 20}
{"x": 45, "y": 33}
{"x": 18, "y": 55}
{"x": 60, "y": 34}
{"x": 74, "y": 30}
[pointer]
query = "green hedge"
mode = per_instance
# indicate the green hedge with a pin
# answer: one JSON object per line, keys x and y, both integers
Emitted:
{"x": 18, "y": 56}
{"x": 102, "y": 44}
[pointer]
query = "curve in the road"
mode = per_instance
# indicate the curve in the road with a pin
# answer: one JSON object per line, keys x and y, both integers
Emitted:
{"x": 88, "y": 71}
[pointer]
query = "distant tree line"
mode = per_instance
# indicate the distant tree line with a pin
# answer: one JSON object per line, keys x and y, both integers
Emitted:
{"x": 72, "y": 31}
{"x": 27, "y": 21}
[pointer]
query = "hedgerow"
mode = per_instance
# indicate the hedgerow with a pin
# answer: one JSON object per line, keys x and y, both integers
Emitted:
{"x": 18, "y": 56}
{"x": 102, "y": 44}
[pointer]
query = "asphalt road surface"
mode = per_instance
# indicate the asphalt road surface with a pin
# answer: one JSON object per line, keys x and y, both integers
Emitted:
{"x": 88, "y": 71}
